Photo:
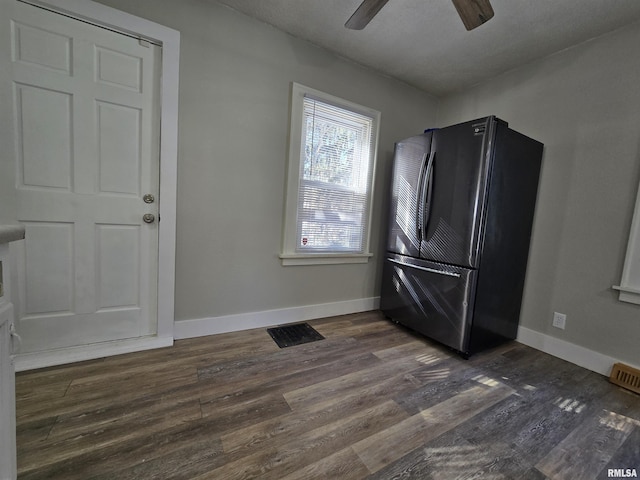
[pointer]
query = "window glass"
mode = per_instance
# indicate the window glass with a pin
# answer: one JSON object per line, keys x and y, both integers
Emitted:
{"x": 334, "y": 178}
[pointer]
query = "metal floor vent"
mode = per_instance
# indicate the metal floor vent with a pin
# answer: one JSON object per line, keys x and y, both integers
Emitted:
{"x": 626, "y": 377}
{"x": 296, "y": 334}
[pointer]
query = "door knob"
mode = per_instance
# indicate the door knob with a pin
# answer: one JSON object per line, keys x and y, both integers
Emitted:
{"x": 149, "y": 218}
{"x": 14, "y": 336}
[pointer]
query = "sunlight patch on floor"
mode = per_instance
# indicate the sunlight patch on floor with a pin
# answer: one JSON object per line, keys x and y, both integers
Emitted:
{"x": 618, "y": 421}
{"x": 489, "y": 382}
{"x": 427, "y": 359}
{"x": 435, "y": 375}
{"x": 569, "y": 405}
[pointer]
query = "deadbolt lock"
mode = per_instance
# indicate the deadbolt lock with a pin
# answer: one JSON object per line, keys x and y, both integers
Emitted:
{"x": 148, "y": 198}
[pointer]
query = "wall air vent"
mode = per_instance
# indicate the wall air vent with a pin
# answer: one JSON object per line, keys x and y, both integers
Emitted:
{"x": 626, "y": 377}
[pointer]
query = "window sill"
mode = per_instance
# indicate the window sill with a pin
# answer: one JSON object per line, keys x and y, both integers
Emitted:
{"x": 323, "y": 258}
{"x": 628, "y": 294}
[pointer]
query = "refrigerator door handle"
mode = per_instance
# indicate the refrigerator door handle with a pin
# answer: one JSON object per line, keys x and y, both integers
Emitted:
{"x": 425, "y": 269}
{"x": 419, "y": 197}
{"x": 425, "y": 201}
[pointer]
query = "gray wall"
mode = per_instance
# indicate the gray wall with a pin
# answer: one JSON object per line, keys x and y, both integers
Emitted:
{"x": 235, "y": 76}
{"x": 584, "y": 105}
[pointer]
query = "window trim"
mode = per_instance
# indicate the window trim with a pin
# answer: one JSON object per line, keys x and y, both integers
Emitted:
{"x": 629, "y": 288}
{"x": 289, "y": 255}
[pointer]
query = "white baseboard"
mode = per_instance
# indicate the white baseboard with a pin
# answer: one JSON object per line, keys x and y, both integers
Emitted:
{"x": 31, "y": 361}
{"x": 581, "y": 356}
{"x": 244, "y": 321}
{"x": 570, "y": 352}
{"x": 193, "y": 328}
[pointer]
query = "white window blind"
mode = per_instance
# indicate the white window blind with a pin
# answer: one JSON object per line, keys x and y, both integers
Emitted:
{"x": 329, "y": 189}
{"x": 334, "y": 178}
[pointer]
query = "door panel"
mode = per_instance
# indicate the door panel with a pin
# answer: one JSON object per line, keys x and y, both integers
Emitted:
{"x": 44, "y": 160}
{"x": 86, "y": 119}
{"x": 118, "y": 253}
{"x": 27, "y": 47}
{"x": 410, "y": 160}
{"x": 51, "y": 285}
{"x": 458, "y": 178}
{"x": 430, "y": 298}
{"x": 118, "y": 131}
{"x": 118, "y": 69}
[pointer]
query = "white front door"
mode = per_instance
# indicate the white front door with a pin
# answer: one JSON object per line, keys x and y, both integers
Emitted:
{"x": 86, "y": 127}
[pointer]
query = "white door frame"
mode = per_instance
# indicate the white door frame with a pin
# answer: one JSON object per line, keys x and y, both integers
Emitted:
{"x": 169, "y": 39}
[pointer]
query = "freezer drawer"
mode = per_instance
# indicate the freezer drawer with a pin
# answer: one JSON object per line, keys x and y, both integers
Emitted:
{"x": 433, "y": 299}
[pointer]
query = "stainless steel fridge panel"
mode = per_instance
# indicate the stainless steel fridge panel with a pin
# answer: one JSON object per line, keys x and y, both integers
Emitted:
{"x": 409, "y": 165}
{"x": 511, "y": 201}
{"x": 430, "y": 298}
{"x": 456, "y": 186}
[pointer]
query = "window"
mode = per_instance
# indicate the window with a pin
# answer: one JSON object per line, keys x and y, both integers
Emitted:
{"x": 332, "y": 153}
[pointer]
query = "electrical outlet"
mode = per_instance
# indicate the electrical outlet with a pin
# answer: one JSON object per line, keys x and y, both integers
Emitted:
{"x": 559, "y": 320}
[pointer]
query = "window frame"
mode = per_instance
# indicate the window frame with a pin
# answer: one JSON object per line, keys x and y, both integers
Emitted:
{"x": 289, "y": 254}
{"x": 629, "y": 288}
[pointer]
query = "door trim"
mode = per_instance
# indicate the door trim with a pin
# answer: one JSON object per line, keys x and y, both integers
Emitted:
{"x": 169, "y": 39}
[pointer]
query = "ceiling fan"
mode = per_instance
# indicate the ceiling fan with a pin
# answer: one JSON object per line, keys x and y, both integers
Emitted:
{"x": 472, "y": 12}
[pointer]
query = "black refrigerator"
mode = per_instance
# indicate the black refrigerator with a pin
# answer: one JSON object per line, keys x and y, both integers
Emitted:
{"x": 460, "y": 217}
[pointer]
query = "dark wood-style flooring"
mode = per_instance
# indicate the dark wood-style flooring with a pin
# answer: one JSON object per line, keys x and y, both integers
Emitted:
{"x": 371, "y": 401}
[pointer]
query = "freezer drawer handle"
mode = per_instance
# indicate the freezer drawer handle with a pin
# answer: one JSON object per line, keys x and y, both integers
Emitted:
{"x": 426, "y": 269}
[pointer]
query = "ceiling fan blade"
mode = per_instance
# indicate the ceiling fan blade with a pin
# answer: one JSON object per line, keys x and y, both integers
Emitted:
{"x": 473, "y": 12}
{"x": 365, "y": 12}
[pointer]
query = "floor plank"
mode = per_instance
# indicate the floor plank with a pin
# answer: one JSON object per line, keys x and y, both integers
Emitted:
{"x": 371, "y": 401}
{"x": 381, "y": 449}
{"x": 275, "y": 462}
{"x": 602, "y": 434}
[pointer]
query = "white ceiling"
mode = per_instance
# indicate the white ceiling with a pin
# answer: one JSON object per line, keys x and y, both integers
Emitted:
{"x": 424, "y": 43}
